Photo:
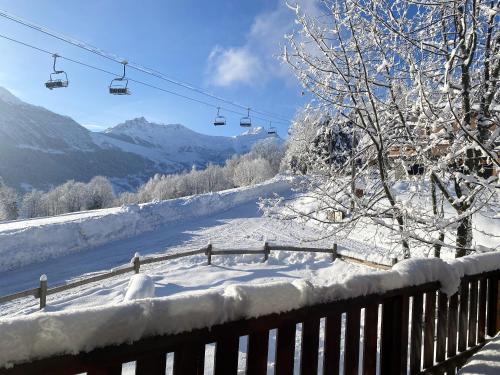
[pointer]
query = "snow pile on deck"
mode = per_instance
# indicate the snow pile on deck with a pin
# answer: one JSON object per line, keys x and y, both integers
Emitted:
{"x": 30, "y": 241}
{"x": 140, "y": 286}
{"x": 45, "y": 334}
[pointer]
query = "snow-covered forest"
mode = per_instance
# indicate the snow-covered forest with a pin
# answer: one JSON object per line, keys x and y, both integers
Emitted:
{"x": 260, "y": 164}
{"x": 403, "y": 129}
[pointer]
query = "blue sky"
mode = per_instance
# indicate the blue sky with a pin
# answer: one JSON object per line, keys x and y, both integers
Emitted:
{"x": 226, "y": 47}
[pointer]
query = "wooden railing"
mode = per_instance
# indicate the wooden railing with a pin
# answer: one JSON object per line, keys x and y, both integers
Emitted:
{"x": 42, "y": 291}
{"x": 411, "y": 330}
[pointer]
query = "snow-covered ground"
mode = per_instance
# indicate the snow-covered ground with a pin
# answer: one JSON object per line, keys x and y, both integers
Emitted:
{"x": 486, "y": 361}
{"x": 72, "y": 246}
{"x": 229, "y": 219}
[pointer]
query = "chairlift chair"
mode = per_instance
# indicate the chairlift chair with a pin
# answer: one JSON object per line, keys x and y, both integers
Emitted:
{"x": 271, "y": 130}
{"x": 246, "y": 122}
{"x": 58, "y": 78}
{"x": 119, "y": 85}
{"x": 219, "y": 120}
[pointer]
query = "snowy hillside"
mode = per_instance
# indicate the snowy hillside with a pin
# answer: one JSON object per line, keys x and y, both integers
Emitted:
{"x": 175, "y": 147}
{"x": 39, "y": 148}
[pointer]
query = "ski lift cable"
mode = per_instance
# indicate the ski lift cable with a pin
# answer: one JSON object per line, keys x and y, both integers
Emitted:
{"x": 130, "y": 79}
{"x": 143, "y": 69}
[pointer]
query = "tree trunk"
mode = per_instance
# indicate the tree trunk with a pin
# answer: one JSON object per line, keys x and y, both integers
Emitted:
{"x": 464, "y": 237}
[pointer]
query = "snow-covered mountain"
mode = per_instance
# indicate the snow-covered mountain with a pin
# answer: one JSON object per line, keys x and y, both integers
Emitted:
{"x": 175, "y": 147}
{"x": 40, "y": 148}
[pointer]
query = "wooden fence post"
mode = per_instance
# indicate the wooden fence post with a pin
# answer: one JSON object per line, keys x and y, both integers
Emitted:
{"x": 137, "y": 263}
{"x": 209, "y": 254}
{"x": 43, "y": 291}
{"x": 266, "y": 251}
{"x": 334, "y": 252}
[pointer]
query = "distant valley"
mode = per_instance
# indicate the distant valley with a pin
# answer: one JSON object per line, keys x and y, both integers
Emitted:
{"x": 40, "y": 149}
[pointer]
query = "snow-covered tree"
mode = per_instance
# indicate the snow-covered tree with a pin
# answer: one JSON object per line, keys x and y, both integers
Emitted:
{"x": 100, "y": 193}
{"x": 418, "y": 83}
{"x": 252, "y": 171}
{"x": 270, "y": 150}
{"x": 8, "y": 202}
{"x": 32, "y": 205}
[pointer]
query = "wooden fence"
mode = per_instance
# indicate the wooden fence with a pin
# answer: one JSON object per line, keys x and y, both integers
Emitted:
{"x": 415, "y": 330}
{"x": 42, "y": 291}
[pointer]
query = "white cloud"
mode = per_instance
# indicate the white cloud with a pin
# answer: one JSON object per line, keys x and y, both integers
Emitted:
{"x": 256, "y": 61}
{"x": 233, "y": 65}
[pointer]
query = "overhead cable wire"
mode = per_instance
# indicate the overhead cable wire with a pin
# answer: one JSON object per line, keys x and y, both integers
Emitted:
{"x": 130, "y": 79}
{"x": 112, "y": 57}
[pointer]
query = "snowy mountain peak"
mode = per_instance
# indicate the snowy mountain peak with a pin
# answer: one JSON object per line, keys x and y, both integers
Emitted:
{"x": 7, "y": 97}
{"x": 254, "y": 131}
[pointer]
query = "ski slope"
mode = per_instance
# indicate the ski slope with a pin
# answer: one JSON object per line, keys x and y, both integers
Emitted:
{"x": 228, "y": 219}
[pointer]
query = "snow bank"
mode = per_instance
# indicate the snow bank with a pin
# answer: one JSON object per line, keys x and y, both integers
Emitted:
{"x": 486, "y": 361}
{"x": 44, "y": 334}
{"x": 29, "y": 241}
{"x": 140, "y": 286}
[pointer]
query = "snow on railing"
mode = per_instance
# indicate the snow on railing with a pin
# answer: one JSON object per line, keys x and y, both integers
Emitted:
{"x": 434, "y": 315}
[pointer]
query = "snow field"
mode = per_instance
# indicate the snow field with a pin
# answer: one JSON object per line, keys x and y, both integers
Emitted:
{"x": 48, "y": 333}
{"x": 30, "y": 241}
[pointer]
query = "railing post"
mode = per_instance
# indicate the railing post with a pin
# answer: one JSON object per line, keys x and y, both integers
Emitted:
{"x": 137, "y": 263}
{"x": 492, "y": 308}
{"x": 394, "y": 335}
{"x": 43, "y": 291}
{"x": 334, "y": 252}
{"x": 208, "y": 253}
{"x": 266, "y": 251}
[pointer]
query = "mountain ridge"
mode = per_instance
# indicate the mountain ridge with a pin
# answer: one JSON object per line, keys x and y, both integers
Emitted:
{"x": 40, "y": 148}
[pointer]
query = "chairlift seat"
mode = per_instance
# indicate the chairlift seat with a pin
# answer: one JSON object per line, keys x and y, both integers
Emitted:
{"x": 118, "y": 86}
{"x": 56, "y": 83}
{"x": 271, "y": 130}
{"x": 220, "y": 121}
{"x": 245, "y": 122}
{"x": 119, "y": 91}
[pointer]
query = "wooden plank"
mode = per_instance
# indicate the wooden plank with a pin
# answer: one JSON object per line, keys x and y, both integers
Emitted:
{"x": 404, "y": 342}
{"x": 429, "y": 328}
{"x": 462, "y": 314}
{"x": 285, "y": 349}
{"x": 89, "y": 280}
{"x": 481, "y": 319}
{"x": 416, "y": 334}
{"x": 300, "y": 249}
{"x": 331, "y": 356}
{"x": 173, "y": 256}
{"x": 370, "y": 333}
{"x": 472, "y": 314}
{"x": 237, "y": 252}
{"x": 442, "y": 327}
{"x": 390, "y": 342}
{"x": 258, "y": 346}
{"x": 491, "y": 317}
{"x": 452, "y": 329}
{"x": 310, "y": 347}
{"x": 25, "y": 293}
{"x": 151, "y": 365}
{"x": 226, "y": 355}
{"x": 189, "y": 359}
{"x": 351, "y": 348}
